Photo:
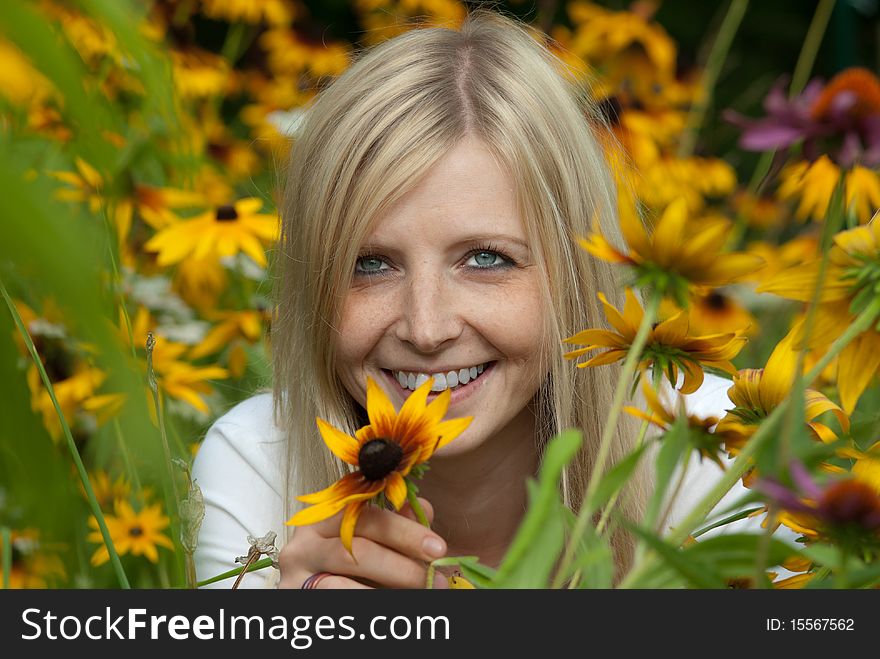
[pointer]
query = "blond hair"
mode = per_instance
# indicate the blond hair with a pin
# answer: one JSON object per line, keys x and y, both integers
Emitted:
{"x": 365, "y": 141}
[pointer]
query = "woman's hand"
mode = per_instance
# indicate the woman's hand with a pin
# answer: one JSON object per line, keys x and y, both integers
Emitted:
{"x": 392, "y": 551}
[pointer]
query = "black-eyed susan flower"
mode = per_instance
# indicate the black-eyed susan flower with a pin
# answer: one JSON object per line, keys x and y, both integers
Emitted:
{"x": 851, "y": 283}
{"x": 223, "y": 231}
{"x": 137, "y": 533}
{"x": 756, "y": 392}
{"x": 676, "y": 254}
{"x": 707, "y": 443}
{"x": 384, "y": 452}
{"x": 845, "y": 510}
{"x": 669, "y": 348}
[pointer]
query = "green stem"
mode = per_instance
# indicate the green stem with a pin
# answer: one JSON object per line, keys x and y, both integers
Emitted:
{"x": 71, "y": 445}
{"x": 126, "y": 457}
{"x": 795, "y": 415}
{"x": 629, "y": 368}
{"x": 606, "y": 512}
{"x": 714, "y": 64}
{"x": 415, "y": 505}
{"x": 810, "y": 49}
{"x": 735, "y": 471}
{"x": 6, "y": 534}
{"x": 253, "y": 567}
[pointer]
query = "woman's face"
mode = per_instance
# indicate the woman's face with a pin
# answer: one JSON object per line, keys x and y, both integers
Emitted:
{"x": 447, "y": 283}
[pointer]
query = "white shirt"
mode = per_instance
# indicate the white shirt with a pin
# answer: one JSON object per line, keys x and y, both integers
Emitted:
{"x": 240, "y": 469}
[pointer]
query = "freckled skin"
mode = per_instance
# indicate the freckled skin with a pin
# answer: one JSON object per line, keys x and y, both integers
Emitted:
{"x": 421, "y": 299}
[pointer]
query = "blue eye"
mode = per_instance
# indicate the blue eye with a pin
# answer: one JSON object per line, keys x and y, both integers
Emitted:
{"x": 368, "y": 265}
{"x": 485, "y": 259}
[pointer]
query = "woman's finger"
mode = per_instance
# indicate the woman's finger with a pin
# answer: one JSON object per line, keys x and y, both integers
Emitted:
{"x": 398, "y": 532}
{"x": 376, "y": 563}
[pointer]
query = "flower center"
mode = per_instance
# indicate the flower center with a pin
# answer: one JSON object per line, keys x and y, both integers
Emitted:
{"x": 379, "y": 457}
{"x": 135, "y": 531}
{"x": 852, "y": 502}
{"x": 226, "y": 214}
{"x": 716, "y": 301}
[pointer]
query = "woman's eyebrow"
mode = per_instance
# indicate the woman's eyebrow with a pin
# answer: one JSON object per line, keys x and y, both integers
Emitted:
{"x": 483, "y": 237}
{"x": 468, "y": 240}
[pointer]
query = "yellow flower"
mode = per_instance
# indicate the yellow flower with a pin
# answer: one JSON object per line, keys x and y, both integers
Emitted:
{"x": 87, "y": 187}
{"x": 107, "y": 491}
{"x": 235, "y": 325}
{"x": 713, "y": 311}
{"x": 199, "y": 73}
{"x": 669, "y": 346}
{"x": 20, "y": 82}
{"x": 273, "y": 12}
{"x": 814, "y": 183}
{"x": 178, "y": 378}
{"x": 292, "y": 52}
{"x": 634, "y": 56}
{"x": 224, "y": 231}
{"x": 200, "y": 282}
{"x": 700, "y": 433}
{"x": 851, "y": 281}
{"x": 384, "y": 452}
{"x": 756, "y": 392}
{"x": 674, "y": 255}
{"x": 136, "y": 533}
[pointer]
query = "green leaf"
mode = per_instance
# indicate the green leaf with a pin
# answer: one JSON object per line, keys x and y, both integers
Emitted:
{"x": 734, "y": 555}
{"x": 827, "y": 555}
{"x": 537, "y": 562}
{"x": 694, "y": 572}
{"x": 673, "y": 446}
{"x": 727, "y": 520}
{"x": 593, "y": 558}
{"x": 615, "y": 478}
{"x": 543, "y": 517}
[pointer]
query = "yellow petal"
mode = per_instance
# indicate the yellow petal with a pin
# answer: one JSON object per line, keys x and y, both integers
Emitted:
{"x": 669, "y": 232}
{"x": 395, "y": 489}
{"x": 411, "y": 418}
{"x": 380, "y": 409}
{"x": 817, "y": 403}
{"x": 779, "y": 373}
{"x": 632, "y": 314}
{"x": 349, "y": 520}
{"x": 856, "y": 367}
{"x": 672, "y": 331}
{"x": 449, "y": 430}
{"x": 614, "y": 317}
{"x": 342, "y": 446}
{"x": 598, "y": 337}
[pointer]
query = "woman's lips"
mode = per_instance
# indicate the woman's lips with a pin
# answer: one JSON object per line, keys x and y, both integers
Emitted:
{"x": 460, "y": 393}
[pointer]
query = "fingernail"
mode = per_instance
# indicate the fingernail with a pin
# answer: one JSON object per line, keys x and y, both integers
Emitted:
{"x": 433, "y": 546}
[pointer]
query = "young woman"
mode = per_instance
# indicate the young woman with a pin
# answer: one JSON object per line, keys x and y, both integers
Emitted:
{"x": 432, "y": 203}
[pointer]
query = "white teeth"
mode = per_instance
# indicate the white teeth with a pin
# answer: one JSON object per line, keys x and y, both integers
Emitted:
{"x": 442, "y": 381}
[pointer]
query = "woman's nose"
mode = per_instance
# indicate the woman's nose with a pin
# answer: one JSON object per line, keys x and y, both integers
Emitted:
{"x": 430, "y": 312}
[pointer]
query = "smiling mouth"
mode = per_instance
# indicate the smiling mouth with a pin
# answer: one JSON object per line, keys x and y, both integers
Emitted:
{"x": 412, "y": 381}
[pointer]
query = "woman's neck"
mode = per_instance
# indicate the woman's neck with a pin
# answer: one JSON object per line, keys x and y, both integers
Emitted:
{"x": 479, "y": 497}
